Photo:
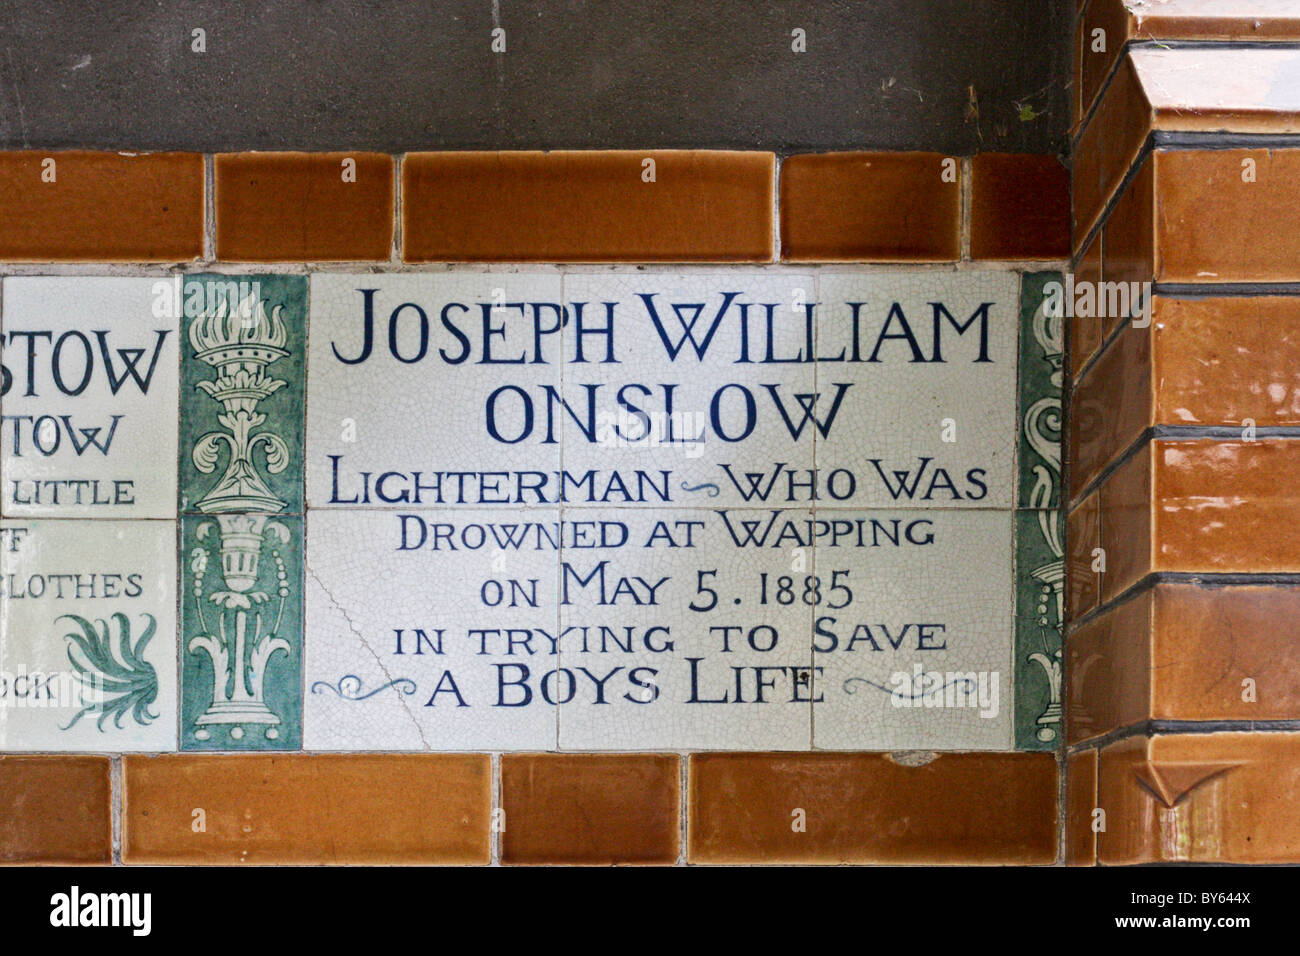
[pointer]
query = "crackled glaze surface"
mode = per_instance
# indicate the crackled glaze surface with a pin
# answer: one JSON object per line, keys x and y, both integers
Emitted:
{"x": 583, "y": 511}
{"x": 90, "y": 397}
{"x": 683, "y": 511}
{"x": 88, "y": 616}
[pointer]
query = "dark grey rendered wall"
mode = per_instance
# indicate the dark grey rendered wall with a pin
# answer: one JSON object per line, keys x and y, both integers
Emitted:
{"x": 958, "y": 76}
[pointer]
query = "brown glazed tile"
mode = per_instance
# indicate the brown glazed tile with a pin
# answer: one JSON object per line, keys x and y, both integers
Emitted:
{"x": 1128, "y": 244}
{"x": 306, "y": 808}
{"x": 866, "y": 808}
{"x": 1213, "y": 227}
{"x": 1083, "y": 535}
{"x": 1124, "y": 20}
{"x": 1020, "y": 207}
{"x": 1208, "y": 641}
{"x": 1206, "y": 361}
{"x": 55, "y": 810}
{"x": 1217, "y": 19}
{"x": 1111, "y": 406}
{"x": 1080, "y": 801}
{"x": 1092, "y": 65}
{"x": 1108, "y": 670}
{"x": 587, "y": 206}
{"x": 1181, "y": 651}
{"x": 1204, "y": 89}
{"x": 1220, "y": 361}
{"x": 1125, "y": 515}
{"x": 1209, "y": 88}
{"x": 1085, "y": 332}
{"x": 1201, "y": 798}
{"x": 1211, "y": 506}
{"x": 1227, "y": 506}
{"x": 590, "y": 808}
{"x": 101, "y": 207}
{"x": 1107, "y": 146}
{"x": 293, "y": 207}
{"x": 870, "y": 207}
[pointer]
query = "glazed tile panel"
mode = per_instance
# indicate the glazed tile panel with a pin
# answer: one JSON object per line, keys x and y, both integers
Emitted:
{"x": 679, "y": 511}
{"x": 241, "y": 530}
{"x": 581, "y": 511}
{"x": 87, "y": 534}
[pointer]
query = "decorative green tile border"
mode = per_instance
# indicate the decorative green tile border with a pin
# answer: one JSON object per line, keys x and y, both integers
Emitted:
{"x": 241, "y": 632}
{"x": 246, "y": 363}
{"x": 1040, "y": 539}
{"x": 241, "y": 498}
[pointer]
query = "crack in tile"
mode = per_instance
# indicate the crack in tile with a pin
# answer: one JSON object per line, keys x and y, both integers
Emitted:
{"x": 352, "y": 626}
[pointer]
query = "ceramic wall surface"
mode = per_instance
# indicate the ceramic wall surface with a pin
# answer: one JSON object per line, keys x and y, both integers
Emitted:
{"x": 578, "y": 510}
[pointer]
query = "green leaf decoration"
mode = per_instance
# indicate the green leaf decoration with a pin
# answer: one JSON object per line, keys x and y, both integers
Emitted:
{"x": 127, "y": 682}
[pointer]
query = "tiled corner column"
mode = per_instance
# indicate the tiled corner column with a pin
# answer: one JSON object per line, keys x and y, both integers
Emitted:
{"x": 1182, "y": 674}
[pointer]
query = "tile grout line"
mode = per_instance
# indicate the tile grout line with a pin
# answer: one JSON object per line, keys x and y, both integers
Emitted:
{"x": 115, "y": 778}
{"x": 1062, "y": 795}
{"x": 209, "y": 207}
{"x": 776, "y": 208}
{"x": 683, "y": 807}
{"x": 967, "y": 172}
{"x": 395, "y": 254}
{"x": 494, "y": 831}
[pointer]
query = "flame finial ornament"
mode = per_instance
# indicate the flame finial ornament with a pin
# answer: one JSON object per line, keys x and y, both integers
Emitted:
{"x": 240, "y": 341}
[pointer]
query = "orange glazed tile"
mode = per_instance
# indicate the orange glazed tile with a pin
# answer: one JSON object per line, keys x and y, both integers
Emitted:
{"x": 55, "y": 810}
{"x": 866, "y": 808}
{"x": 1247, "y": 89}
{"x": 1128, "y": 244}
{"x": 1107, "y": 146}
{"x": 1125, "y": 516}
{"x": 1085, "y": 332}
{"x": 590, "y": 808}
{"x": 1108, "y": 670}
{"x": 1095, "y": 56}
{"x": 1186, "y": 652}
{"x": 870, "y": 207}
{"x": 1212, "y": 506}
{"x": 1201, "y": 798}
{"x": 101, "y": 207}
{"x": 1213, "y": 227}
{"x": 1211, "y": 362}
{"x": 1111, "y": 406}
{"x": 1227, "y": 506}
{"x": 306, "y": 808}
{"x": 1080, "y": 801}
{"x": 1083, "y": 535}
{"x": 1020, "y": 207}
{"x": 588, "y": 206}
{"x": 290, "y": 207}
{"x": 1124, "y": 20}
{"x": 1220, "y": 361}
